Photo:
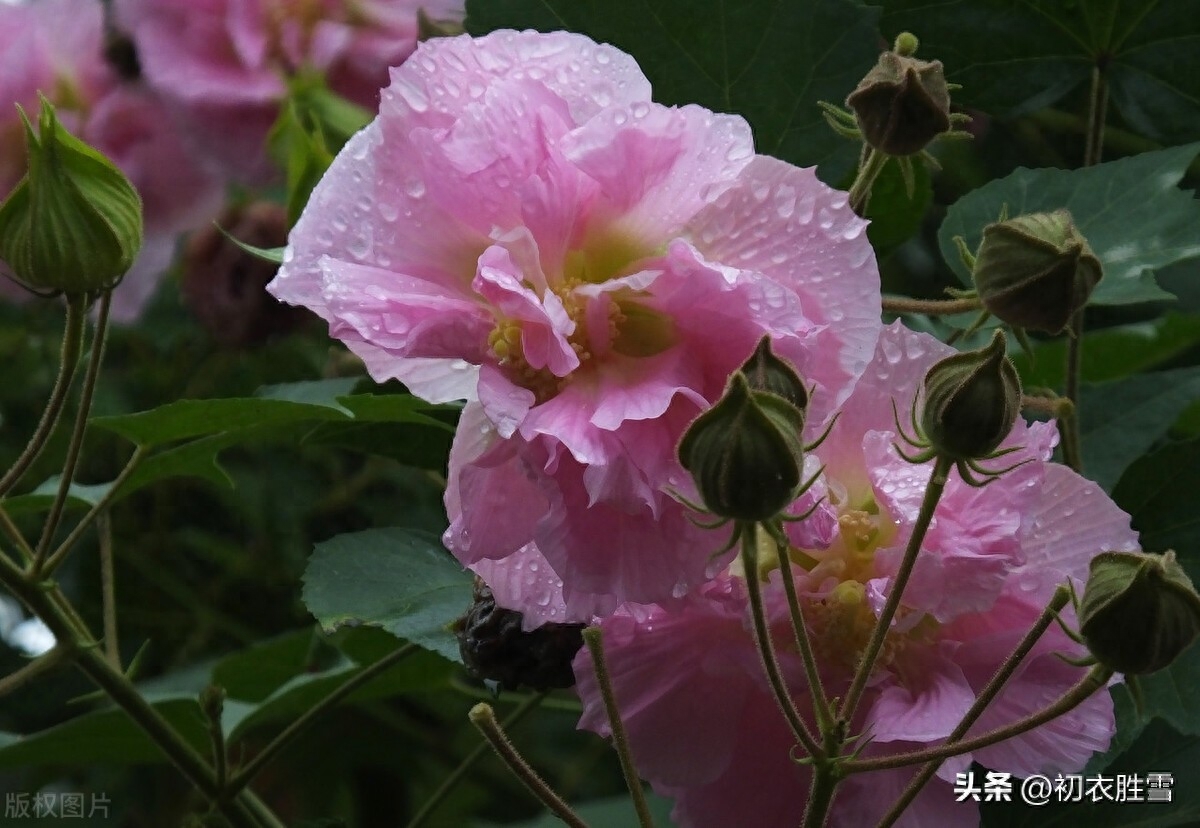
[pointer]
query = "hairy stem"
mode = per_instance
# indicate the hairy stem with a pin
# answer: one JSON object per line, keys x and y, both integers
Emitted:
{"x": 933, "y": 493}
{"x": 76, "y": 445}
{"x": 931, "y": 307}
{"x": 68, "y": 359}
{"x": 276, "y": 745}
{"x": 525, "y": 708}
{"x": 816, "y": 689}
{"x": 484, "y": 718}
{"x": 868, "y": 171}
{"x": 766, "y": 650}
{"x": 594, "y": 640}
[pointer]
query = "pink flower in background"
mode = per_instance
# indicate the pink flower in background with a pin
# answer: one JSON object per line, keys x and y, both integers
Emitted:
{"x": 57, "y": 47}
{"x": 225, "y": 63}
{"x": 704, "y": 727}
{"x": 523, "y": 228}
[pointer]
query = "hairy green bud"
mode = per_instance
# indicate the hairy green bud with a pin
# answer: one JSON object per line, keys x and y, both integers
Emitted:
{"x": 74, "y": 222}
{"x": 902, "y": 104}
{"x": 1035, "y": 271}
{"x": 971, "y": 401}
{"x": 1139, "y": 611}
{"x": 746, "y": 453}
{"x": 766, "y": 372}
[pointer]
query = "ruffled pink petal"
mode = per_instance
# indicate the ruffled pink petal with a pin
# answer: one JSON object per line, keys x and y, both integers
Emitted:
{"x": 1062, "y": 745}
{"x": 589, "y": 77}
{"x": 1070, "y": 522}
{"x": 547, "y": 325}
{"x": 680, "y": 697}
{"x": 925, "y": 698}
{"x": 204, "y": 51}
{"x": 643, "y": 554}
{"x": 658, "y": 166}
{"x": 475, "y": 168}
{"x": 404, "y": 315}
{"x": 492, "y": 496}
{"x": 782, "y": 222}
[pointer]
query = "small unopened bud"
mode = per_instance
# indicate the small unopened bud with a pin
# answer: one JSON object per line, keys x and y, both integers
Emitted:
{"x": 971, "y": 401}
{"x": 1139, "y": 611}
{"x": 745, "y": 453}
{"x": 74, "y": 222}
{"x": 495, "y": 647}
{"x": 1035, "y": 271}
{"x": 903, "y": 103}
{"x": 766, "y": 372}
{"x": 212, "y": 702}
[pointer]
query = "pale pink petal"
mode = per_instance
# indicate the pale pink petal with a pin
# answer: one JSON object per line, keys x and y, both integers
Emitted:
{"x": 926, "y": 701}
{"x": 1071, "y": 522}
{"x": 657, "y": 167}
{"x": 404, "y": 315}
{"x": 783, "y": 223}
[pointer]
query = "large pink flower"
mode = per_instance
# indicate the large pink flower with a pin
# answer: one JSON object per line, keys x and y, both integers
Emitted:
{"x": 225, "y": 63}
{"x": 523, "y": 228}
{"x": 56, "y": 47}
{"x": 703, "y": 725}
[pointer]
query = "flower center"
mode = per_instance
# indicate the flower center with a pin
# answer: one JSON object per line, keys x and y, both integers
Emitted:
{"x": 619, "y": 321}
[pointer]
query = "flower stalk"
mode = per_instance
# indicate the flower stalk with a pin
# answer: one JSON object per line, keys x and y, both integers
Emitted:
{"x": 593, "y": 638}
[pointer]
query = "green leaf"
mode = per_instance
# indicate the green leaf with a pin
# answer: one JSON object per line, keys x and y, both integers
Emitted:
{"x": 766, "y": 60}
{"x": 278, "y": 406}
{"x": 1112, "y": 353}
{"x": 1016, "y": 56}
{"x": 894, "y": 217}
{"x": 1161, "y": 492}
{"x": 1119, "y": 421}
{"x": 269, "y": 254}
{"x": 1132, "y": 213}
{"x": 103, "y": 737}
{"x": 80, "y": 496}
{"x": 401, "y": 580}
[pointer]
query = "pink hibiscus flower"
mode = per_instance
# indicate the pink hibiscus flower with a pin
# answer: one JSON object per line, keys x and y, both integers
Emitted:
{"x": 225, "y": 63}
{"x": 703, "y": 725}
{"x": 523, "y": 228}
{"x": 56, "y": 47}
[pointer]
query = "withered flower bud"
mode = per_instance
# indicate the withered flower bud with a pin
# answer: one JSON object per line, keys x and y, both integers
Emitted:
{"x": 494, "y": 647}
{"x": 1035, "y": 271}
{"x": 745, "y": 453}
{"x": 225, "y": 287}
{"x": 971, "y": 401}
{"x": 902, "y": 104}
{"x": 1139, "y": 611}
{"x": 766, "y": 372}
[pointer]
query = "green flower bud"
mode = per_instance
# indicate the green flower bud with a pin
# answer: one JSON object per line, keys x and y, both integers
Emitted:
{"x": 1139, "y": 611}
{"x": 1035, "y": 271}
{"x": 971, "y": 401}
{"x": 766, "y": 372}
{"x": 745, "y": 453}
{"x": 74, "y": 222}
{"x": 902, "y": 104}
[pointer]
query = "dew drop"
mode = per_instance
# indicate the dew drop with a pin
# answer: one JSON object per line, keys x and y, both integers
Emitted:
{"x": 415, "y": 187}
